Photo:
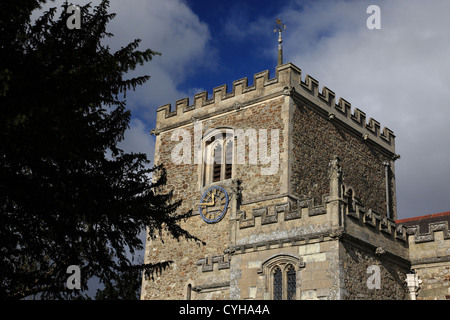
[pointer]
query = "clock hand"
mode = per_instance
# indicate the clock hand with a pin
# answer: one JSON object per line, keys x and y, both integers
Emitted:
{"x": 209, "y": 203}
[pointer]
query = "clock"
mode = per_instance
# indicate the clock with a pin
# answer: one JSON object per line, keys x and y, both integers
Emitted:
{"x": 213, "y": 204}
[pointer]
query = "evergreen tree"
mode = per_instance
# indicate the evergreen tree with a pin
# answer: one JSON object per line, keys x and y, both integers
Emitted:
{"x": 124, "y": 286}
{"x": 68, "y": 194}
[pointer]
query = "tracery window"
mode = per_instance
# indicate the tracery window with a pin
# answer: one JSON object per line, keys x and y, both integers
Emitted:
{"x": 218, "y": 156}
{"x": 281, "y": 273}
{"x": 284, "y": 282}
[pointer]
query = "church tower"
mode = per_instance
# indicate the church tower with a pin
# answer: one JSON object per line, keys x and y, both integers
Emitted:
{"x": 293, "y": 193}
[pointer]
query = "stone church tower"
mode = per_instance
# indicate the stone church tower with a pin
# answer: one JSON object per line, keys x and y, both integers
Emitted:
{"x": 292, "y": 191}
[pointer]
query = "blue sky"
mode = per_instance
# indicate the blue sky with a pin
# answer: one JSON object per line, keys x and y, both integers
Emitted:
{"x": 399, "y": 75}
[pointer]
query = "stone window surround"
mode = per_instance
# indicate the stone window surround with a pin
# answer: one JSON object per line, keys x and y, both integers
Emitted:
{"x": 284, "y": 261}
{"x": 208, "y": 148}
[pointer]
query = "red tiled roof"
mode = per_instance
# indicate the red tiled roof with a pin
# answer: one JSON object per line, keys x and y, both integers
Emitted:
{"x": 435, "y": 215}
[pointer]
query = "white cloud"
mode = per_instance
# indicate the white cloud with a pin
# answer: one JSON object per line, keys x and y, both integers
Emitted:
{"x": 399, "y": 75}
{"x": 171, "y": 28}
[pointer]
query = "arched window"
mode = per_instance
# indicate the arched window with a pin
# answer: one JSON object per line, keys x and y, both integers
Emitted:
{"x": 284, "y": 279}
{"x": 281, "y": 272}
{"x": 218, "y": 147}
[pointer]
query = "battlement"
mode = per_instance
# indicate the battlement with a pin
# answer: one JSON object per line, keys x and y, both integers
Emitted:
{"x": 221, "y": 101}
{"x": 429, "y": 239}
{"x": 287, "y": 82}
{"x": 295, "y": 210}
{"x": 207, "y": 263}
{"x": 374, "y": 221}
{"x": 289, "y": 210}
{"x": 423, "y": 228}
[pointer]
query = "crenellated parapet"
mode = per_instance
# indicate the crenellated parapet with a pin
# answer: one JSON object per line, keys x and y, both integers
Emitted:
{"x": 374, "y": 221}
{"x": 424, "y": 231}
{"x": 342, "y": 111}
{"x": 287, "y": 82}
{"x": 429, "y": 239}
{"x": 221, "y": 100}
{"x": 207, "y": 263}
{"x": 285, "y": 211}
{"x": 429, "y": 236}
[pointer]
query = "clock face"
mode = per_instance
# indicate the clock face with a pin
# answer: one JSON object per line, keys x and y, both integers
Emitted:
{"x": 213, "y": 204}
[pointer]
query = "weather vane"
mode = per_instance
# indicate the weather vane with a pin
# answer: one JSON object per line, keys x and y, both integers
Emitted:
{"x": 280, "y": 28}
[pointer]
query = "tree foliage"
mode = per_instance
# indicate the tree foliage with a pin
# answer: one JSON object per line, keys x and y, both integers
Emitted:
{"x": 124, "y": 286}
{"x": 68, "y": 194}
